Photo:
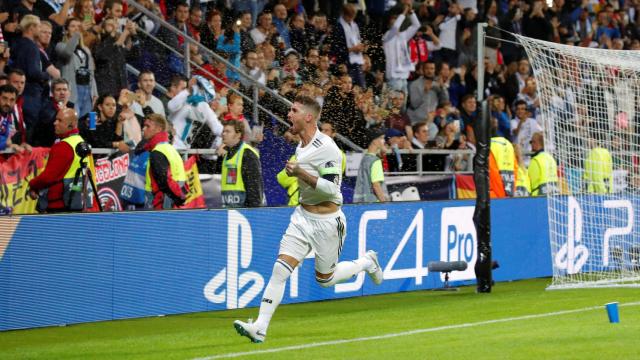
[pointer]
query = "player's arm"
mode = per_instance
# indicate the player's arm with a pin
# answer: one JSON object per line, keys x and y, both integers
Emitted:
{"x": 327, "y": 181}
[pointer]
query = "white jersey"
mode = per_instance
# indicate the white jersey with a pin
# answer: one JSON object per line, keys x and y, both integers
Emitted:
{"x": 319, "y": 157}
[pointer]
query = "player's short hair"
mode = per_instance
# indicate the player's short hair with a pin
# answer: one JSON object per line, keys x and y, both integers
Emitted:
{"x": 238, "y": 126}
{"x": 158, "y": 120}
{"x": 310, "y": 104}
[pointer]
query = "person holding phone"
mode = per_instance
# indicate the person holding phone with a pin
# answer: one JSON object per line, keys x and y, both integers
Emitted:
{"x": 78, "y": 66}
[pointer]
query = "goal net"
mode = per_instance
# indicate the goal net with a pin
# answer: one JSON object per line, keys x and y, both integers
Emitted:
{"x": 589, "y": 111}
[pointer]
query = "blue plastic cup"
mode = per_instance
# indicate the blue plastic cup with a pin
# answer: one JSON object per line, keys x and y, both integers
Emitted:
{"x": 612, "y": 311}
{"x": 92, "y": 120}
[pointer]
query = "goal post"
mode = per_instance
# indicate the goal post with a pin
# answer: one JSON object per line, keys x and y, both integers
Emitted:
{"x": 589, "y": 109}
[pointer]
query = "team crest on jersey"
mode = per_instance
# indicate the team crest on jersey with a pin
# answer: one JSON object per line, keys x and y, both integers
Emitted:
{"x": 329, "y": 164}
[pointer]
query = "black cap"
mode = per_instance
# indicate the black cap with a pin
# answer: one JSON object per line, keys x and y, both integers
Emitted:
{"x": 372, "y": 134}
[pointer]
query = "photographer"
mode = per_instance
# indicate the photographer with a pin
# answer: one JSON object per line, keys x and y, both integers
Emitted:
{"x": 53, "y": 187}
{"x": 77, "y": 67}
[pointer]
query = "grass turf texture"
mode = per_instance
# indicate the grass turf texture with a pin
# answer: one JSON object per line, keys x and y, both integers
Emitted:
{"x": 578, "y": 335}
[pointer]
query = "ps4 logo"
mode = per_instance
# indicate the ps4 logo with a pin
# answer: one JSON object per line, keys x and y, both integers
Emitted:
{"x": 574, "y": 254}
{"x": 234, "y": 276}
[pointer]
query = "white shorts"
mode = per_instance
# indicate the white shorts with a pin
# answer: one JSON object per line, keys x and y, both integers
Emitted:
{"x": 324, "y": 234}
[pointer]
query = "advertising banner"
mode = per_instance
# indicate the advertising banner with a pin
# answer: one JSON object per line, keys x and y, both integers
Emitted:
{"x": 15, "y": 173}
{"x": 90, "y": 267}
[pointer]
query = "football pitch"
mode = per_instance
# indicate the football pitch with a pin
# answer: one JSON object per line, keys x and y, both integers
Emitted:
{"x": 519, "y": 320}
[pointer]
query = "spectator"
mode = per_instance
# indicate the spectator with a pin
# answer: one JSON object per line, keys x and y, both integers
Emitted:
{"x": 469, "y": 116}
{"x": 194, "y": 24}
{"x": 397, "y": 118}
{"x": 246, "y": 42}
{"x": 131, "y": 123}
{"x": 25, "y": 55}
{"x": 250, "y": 65}
{"x": 177, "y": 84}
{"x": 110, "y": 57}
{"x": 189, "y": 112}
{"x": 282, "y": 26}
{"x": 291, "y": 68}
{"x": 175, "y": 41}
{"x": 535, "y": 24}
{"x": 347, "y": 46}
{"x": 165, "y": 183}
{"x": 298, "y": 34}
{"x": 77, "y": 67}
{"x": 229, "y": 43}
{"x": 340, "y": 109}
{"x": 8, "y": 96}
{"x": 146, "y": 103}
{"x": 370, "y": 186}
{"x": 425, "y": 95}
{"x": 84, "y": 10}
{"x": 317, "y": 31}
{"x": 517, "y": 81}
{"x": 523, "y": 127}
{"x": 499, "y": 113}
{"x": 43, "y": 40}
{"x": 54, "y": 186}
{"x": 448, "y": 40}
{"x": 529, "y": 95}
{"x": 423, "y": 42}
{"x": 104, "y": 135}
{"x": 396, "y": 50}
{"x": 241, "y": 172}
{"x": 44, "y": 132}
{"x": 20, "y": 130}
{"x": 211, "y": 30}
{"x": 264, "y": 31}
{"x": 452, "y": 82}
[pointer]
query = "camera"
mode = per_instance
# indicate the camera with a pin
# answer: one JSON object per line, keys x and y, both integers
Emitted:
{"x": 83, "y": 149}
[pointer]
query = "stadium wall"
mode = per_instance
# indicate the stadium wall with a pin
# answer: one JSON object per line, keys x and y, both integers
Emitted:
{"x": 63, "y": 269}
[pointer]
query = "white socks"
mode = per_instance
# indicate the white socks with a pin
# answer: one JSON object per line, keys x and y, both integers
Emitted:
{"x": 273, "y": 293}
{"x": 345, "y": 270}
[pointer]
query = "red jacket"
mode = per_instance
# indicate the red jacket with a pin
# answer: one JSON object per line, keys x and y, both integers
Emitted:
{"x": 60, "y": 159}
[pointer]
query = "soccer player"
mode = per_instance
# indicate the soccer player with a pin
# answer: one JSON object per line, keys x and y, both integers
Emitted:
{"x": 316, "y": 224}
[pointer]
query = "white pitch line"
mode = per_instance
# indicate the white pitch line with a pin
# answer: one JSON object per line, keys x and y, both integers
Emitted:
{"x": 405, "y": 333}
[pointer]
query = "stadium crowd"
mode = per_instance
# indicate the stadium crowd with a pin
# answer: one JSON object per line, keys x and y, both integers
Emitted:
{"x": 406, "y": 68}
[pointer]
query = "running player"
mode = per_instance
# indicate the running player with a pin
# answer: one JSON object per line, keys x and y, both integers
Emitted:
{"x": 317, "y": 223}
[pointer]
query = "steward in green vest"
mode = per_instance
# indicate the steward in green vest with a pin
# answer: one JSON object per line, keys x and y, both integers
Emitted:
{"x": 241, "y": 183}
{"x": 505, "y": 160}
{"x": 166, "y": 179}
{"x": 54, "y": 187}
{"x": 543, "y": 170}
{"x": 598, "y": 171}
{"x": 370, "y": 186}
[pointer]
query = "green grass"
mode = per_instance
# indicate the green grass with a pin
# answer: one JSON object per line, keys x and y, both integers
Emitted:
{"x": 578, "y": 335}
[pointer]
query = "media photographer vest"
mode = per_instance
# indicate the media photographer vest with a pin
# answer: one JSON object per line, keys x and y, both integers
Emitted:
{"x": 232, "y": 183}
{"x": 177, "y": 172}
{"x": 543, "y": 174}
{"x": 502, "y": 166}
{"x": 72, "y": 194}
{"x": 598, "y": 172}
